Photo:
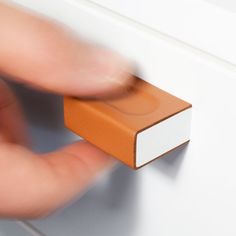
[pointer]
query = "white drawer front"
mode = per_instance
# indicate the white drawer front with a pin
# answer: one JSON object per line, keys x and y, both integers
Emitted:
{"x": 196, "y": 22}
{"x": 191, "y": 192}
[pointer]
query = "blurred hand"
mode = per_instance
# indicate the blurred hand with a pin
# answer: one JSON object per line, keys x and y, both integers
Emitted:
{"x": 46, "y": 56}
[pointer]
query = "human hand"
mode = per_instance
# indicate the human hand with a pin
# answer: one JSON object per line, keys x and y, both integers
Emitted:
{"x": 46, "y": 56}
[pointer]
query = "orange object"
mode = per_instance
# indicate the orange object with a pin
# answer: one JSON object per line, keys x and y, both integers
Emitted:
{"x": 137, "y": 127}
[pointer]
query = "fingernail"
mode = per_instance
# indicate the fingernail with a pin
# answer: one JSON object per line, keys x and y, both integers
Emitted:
{"x": 109, "y": 71}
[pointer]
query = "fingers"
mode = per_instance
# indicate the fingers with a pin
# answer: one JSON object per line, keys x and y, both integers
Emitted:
{"x": 45, "y": 55}
{"x": 31, "y": 186}
{"x": 12, "y": 126}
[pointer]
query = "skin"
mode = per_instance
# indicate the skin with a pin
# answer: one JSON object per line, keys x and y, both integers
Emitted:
{"x": 39, "y": 53}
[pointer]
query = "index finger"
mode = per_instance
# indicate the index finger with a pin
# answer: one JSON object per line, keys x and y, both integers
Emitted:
{"x": 46, "y": 55}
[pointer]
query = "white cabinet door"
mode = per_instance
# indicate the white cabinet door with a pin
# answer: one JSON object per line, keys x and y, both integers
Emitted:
{"x": 190, "y": 192}
{"x": 199, "y": 23}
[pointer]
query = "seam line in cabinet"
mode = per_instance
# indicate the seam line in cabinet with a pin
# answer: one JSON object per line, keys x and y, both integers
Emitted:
{"x": 149, "y": 30}
{"x": 30, "y": 228}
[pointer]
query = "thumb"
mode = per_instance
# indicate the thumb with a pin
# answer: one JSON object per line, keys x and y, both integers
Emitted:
{"x": 45, "y": 55}
{"x": 33, "y": 186}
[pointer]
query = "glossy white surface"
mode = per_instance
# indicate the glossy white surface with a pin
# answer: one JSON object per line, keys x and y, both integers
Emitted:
{"x": 227, "y": 4}
{"x": 190, "y": 192}
{"x": 208, "y": 27}
{"x": 163, "y": 137}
